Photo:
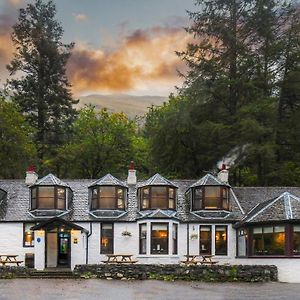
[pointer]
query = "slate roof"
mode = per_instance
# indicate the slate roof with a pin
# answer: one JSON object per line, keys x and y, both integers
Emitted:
{"x": 108, "y": 179}
{"x": 282, "y": 208}
{"x": 50, "y": 179}
{"x": 157, "y": 179}
{"x": 209, "y": 179}
{"x": 15, "y": 206}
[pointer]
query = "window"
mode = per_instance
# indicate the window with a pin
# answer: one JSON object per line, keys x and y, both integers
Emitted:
{"x": 268, "y": 240}
{"x": 48, "y": 197}
{"x": 242, "y": 242}
{"x": 107, "y": 235}
{"x": 159, "y": 238}
{"x": 28, "y": 235}
{"x": 205, "y": 239}
{"x": 211, "y": 197}
{"x": 143, "y": 238}
{"x": 175, "y": 238}
{"x": 221, "y": 240}
{"x": 296, "y": 240}
{"x": 108, "y": 197}
{"x": 157, "y": 197}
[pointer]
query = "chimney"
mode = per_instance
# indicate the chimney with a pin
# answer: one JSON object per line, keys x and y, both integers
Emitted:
{"x": 31, "y": 176}
{"x": 223, "y": 174}
{"x": 131, "y": 179}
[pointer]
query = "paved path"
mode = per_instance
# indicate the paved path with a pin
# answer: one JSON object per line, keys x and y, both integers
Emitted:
{"x": 48, "y": 289}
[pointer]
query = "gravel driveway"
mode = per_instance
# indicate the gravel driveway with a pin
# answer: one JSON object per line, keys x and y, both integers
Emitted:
{"x": 48, "y": 289}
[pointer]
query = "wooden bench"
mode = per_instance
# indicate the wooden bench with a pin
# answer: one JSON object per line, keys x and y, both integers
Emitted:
{"x": 190, "y": 260}
{"x": 119, "y": 259}
{"x": 9, "y": 259}
{"x": 17, "y": 262}
{"x": 207, "y": 260}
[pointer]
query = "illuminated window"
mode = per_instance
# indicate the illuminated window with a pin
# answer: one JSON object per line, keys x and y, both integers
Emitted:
{"x": 211, "y": 197}
{"x": 221, "y": 240}
{"x": 108, "y": 197}
{"x": 159, "y": 238}
{"x": 268, "y": 240}
{"x": 157, "y": 197}
{"x": 205, "y": 239}
{"x": 106, "y": 239}
{"x": 296, "y": 240}
{"x": 48, "y": 197}
{"x": 175, "y": 238}
{"x": 28, "y": 235}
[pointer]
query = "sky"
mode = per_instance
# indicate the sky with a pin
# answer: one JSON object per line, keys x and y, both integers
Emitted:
{"x": 121, "y": 46}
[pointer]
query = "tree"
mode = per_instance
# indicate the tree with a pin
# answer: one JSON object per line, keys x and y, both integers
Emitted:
{"x": 41, "y": 89}
{"x": 17, "y": 151}
{"x": 102, "y": 143}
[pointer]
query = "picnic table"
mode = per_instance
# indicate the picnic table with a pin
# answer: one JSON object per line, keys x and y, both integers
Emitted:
{"x": 207, "y": 260}
{"x": 119, "y": 259}
{"x": 9, "y": 259}
{"x": 190, "y": 259}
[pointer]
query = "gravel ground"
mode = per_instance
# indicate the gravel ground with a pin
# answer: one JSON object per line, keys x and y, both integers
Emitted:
{"x": 48, "y": 289}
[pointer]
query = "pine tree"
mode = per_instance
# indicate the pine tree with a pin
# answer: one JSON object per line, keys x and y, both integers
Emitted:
{"x": 41, "y": 88}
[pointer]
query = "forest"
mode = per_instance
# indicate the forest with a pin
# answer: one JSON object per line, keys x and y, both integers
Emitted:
{"x": 239, "y": 103}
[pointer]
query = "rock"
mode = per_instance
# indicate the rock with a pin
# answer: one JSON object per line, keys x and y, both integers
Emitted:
{"x": 120, "y": 275}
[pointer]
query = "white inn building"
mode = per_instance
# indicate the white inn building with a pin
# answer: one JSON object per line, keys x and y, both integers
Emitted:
{"x": 62, "y": 223}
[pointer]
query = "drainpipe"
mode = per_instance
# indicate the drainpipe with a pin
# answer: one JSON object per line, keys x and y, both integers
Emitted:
{"x": 87, "y": 243}
{"x": 187, "y": 239}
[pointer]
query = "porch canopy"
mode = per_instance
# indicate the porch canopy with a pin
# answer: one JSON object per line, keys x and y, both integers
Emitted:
{"x": 58, "y": 223}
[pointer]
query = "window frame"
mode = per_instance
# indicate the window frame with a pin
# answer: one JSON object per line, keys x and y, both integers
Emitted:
{"x": 141, "y": 239}
{"x": 210, "y": 239}
{"x": 116, "y": 188}
{"x": 167, "y": 238}
{"x": 218, "y": 254}
{"x": 24, "y": 233}
{"x": 112, "y": 237}
{"x": 55, "y": 197}
{"x": 223, "y": 202}
{"x": 149, "y": 198}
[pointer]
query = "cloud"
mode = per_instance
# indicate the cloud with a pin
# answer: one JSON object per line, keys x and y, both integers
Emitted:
{"x": 80, "y": 17}
{"x": 141, "y": 60}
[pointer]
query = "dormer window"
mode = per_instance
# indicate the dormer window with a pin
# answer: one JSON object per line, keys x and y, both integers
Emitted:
{"x": 108, "y": 197}
{"x": 210, "y": 197}
{"x": 48, "y": 197}
{"x": 157, "y": 197}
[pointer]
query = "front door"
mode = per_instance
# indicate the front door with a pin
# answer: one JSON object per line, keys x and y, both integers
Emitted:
{"x": 63, "y": 255}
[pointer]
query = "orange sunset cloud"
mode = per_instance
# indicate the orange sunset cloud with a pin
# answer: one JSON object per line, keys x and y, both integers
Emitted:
{"x": 142, "y": 59}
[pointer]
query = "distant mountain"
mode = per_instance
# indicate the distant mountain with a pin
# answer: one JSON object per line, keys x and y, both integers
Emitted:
{"x": 128, "y": 104}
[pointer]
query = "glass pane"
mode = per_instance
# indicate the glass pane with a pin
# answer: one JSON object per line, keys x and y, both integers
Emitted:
{"x": 159, "y": 239}
{"x": 205, "y": 239}
{"x": 145, "y": 198}
{"x": 274, "y": 242}
{"x": 268, "y": 229}
{"x": 221, "y": 240}
{"x": 296, "y": 241}
{"x": 159, "y": 197}
{"x": 171, "y": 193}
{"x": 279, "y": 229}
{"x": 225, "y": 196}
{"x": 175, "y": 238}
{"x": 106, "y": 239}
{"x": 197, "y": 203}
{"x": 296, "y": 228}
{"x": 171, "y": 203}
{"x": 61, "y": 200}
{"x": 121, "y": 199}
{"x": 46, "y": 198}
{"x": 212, "y": 197}
{"x": 257, "y": 230}
{"x": 28, "y": 235}
{"x": 107, "y": 197}
{"x": 143, "y": 238}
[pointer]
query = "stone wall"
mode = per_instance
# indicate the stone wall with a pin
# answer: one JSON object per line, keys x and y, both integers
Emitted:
{"x": 8, "y": 272}
{"x": 220, "y": 273}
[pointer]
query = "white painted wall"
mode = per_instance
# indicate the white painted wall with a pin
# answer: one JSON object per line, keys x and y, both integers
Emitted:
{"x": 11, "y": 240}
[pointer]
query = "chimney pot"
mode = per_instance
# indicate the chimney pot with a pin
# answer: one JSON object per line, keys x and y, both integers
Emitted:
{"x": 31, "y": 176}
{"x": 131, "y": 179}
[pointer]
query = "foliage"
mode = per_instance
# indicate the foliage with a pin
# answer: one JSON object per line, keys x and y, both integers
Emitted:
{"x": 102, "y": 143}
{"x": 17, "y": 151}
{"x": 41, "y": 89}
